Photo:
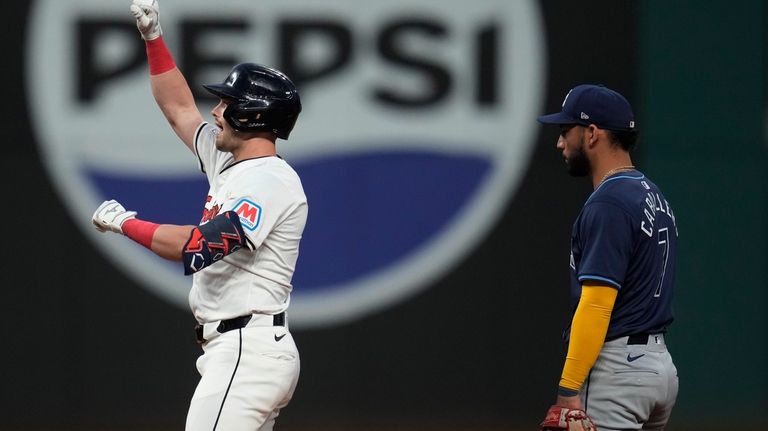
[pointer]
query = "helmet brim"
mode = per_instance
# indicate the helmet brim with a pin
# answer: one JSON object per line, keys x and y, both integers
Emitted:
{"x": 222, "y": 91}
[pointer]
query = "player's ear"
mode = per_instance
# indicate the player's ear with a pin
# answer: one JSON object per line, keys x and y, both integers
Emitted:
{"x": 591, "y": 134}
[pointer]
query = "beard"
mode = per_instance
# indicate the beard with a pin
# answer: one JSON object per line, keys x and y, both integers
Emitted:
{"x": 578, "y": 163}
{"x": 226, "y": 141}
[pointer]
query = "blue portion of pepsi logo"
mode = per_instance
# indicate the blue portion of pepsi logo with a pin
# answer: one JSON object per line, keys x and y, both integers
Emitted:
{"x": 174, "y": 200}
{"x": 405, "y": 197}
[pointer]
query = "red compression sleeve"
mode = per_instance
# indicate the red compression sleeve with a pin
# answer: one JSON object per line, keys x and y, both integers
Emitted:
{"x": 159, "y": 57}
{"x": 140, "y": 231}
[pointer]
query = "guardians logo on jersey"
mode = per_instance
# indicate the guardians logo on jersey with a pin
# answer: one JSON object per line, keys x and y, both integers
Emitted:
{"x": 415, "y": 131}
{"x": 209, "y": 213}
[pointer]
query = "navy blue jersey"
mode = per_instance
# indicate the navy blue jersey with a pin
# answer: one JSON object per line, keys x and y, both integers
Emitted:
{"x": 626, "y": 237}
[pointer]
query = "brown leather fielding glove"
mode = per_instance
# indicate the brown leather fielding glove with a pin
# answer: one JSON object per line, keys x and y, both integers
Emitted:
{"x": 561, "y": 418}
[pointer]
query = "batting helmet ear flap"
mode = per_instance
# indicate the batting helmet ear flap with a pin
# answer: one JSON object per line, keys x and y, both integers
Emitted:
{"x": 277, "y": 116}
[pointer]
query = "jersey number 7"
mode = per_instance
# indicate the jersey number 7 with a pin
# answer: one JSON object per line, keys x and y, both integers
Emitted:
{"x": 663, "y": 242}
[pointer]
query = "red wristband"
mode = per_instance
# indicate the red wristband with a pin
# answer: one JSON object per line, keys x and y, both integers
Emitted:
{"x": 140, "y": 231}
{"x": 159, "y": 57}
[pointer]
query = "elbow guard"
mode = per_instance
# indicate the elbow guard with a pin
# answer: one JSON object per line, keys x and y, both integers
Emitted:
{"x": 213, "y": 241}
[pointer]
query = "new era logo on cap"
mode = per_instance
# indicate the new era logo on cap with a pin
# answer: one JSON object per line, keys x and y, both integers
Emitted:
{"x": 594, "y": 104}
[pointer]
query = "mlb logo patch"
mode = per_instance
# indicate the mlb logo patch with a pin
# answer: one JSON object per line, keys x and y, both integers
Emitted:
{"x": 250, "y": 214}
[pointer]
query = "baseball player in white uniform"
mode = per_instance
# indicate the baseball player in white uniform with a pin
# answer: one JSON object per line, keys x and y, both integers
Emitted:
{"x": 243, "y": 253}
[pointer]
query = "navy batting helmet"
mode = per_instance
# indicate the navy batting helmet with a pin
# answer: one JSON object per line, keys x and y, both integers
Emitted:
{"x": 259, "y": 99}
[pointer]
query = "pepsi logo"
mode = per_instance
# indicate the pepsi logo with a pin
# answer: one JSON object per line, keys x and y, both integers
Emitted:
{"x": 417, "y": 126}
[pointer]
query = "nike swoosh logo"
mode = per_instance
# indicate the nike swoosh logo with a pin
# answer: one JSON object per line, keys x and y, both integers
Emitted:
{"x": 631, "y": 358}
{"x": 279, "y": 338}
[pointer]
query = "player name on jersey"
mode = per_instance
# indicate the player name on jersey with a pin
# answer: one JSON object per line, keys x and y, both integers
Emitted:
{"x": 654, "y": 205}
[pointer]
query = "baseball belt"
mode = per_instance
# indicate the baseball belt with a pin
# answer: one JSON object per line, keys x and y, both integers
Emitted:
{"x": 206, "y": 331}
{"x": 638, "y": 339}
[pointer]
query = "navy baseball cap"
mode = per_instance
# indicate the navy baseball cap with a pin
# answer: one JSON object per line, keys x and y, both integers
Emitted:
{"x": 594, "y": 104}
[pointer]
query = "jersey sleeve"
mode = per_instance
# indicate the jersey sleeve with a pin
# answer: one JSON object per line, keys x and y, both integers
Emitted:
{"x": 209, "y": 159}
{"x": 606, "y": 233}
{"x": 260, "y": 209}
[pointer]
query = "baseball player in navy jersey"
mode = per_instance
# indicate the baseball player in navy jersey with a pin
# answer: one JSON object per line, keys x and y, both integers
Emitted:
{"x": 618, "y": 373}
{"x": 244, "y": 251}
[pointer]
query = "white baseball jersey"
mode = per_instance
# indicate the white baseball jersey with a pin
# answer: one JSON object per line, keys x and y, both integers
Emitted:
{"x": 267, "y": 195}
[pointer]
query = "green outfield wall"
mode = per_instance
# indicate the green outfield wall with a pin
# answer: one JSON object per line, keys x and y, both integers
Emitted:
{"x": 702, "y": 88}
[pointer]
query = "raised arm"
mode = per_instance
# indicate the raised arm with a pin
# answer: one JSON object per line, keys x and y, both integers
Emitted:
{"x": 169, "y": 87}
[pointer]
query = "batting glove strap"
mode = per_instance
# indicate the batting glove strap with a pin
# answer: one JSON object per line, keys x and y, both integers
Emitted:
{"x": 147, "y": 14}
{"x": 110, "y": 216}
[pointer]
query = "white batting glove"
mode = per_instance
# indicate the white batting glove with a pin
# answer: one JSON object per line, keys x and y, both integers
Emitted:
{"x": 147, "y": 14}
{"x": 110, "y": 215}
